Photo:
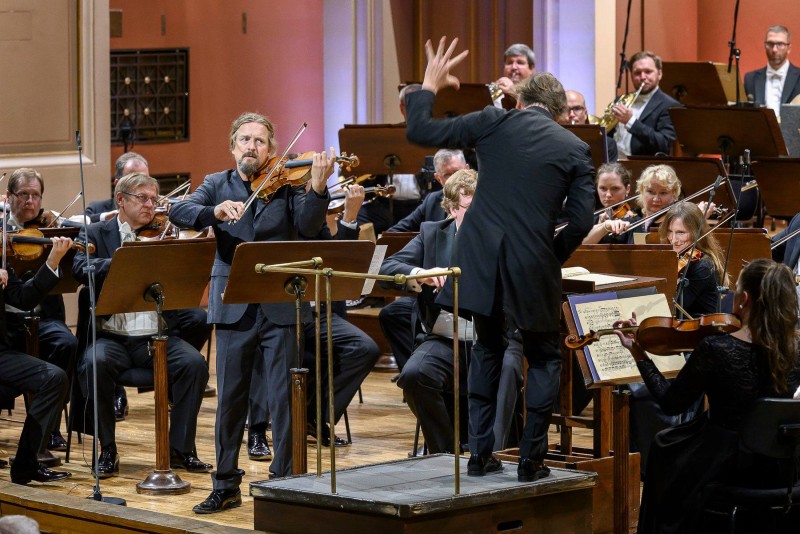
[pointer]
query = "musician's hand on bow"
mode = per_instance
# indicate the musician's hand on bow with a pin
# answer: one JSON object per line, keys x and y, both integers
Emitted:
{"x": 229, "y": 210}
{"x": 3, "y": 278}
{"x": 615, "y": 226}
{"x": 354, "y": 196}
{"x": 703, "y": 205}
{"x": 321, "y": 169}
{"x": 60, "y": 247}
{"x": 437, "y": 73}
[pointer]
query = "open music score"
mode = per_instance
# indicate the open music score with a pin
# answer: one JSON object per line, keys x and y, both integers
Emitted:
{"x": 607, "y": 361}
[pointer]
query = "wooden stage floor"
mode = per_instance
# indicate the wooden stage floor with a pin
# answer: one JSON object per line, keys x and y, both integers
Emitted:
{"x": 382, "y": 430}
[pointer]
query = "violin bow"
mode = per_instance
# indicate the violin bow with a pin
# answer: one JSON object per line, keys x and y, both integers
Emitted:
{"x": 60, "y": 213}
{"x": 254, "y": 194}
{"x": 181, "y": 189}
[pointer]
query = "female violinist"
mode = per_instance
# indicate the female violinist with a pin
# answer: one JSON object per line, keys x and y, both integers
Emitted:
{"x": 705, "y": 269}
{"x": 733, "y": 370}
{"x": 613, "y": 186}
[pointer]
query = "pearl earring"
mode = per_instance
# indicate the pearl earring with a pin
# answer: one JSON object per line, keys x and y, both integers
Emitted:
{"x": 740, "y": 306}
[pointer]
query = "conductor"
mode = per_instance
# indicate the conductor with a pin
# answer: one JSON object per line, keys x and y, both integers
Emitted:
{"x": 505, "y": 247}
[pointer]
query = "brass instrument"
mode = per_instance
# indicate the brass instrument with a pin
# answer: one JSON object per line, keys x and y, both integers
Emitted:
{"x": 494, "y": 91}
{"x": 609, "y": 120}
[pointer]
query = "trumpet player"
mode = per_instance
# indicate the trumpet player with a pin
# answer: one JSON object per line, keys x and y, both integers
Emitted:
{"x": 644, "y": 126}
{"x": 519, "y": 62}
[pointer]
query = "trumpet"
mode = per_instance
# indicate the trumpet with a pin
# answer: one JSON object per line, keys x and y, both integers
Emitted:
{"x": 609, "y": 120}
{"x": 494, "y": 91}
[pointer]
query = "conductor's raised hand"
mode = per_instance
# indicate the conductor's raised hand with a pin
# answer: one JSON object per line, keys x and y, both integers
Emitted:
{"x": 321, "y": 170}
{"x": 440, "y": 63}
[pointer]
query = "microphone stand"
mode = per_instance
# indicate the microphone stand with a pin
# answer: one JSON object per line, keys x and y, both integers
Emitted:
{"x": 623, "y": 61}
{"x": 683, "y": 282}
{"x": 735, "y": 53}
{"x": 96, "y": 495}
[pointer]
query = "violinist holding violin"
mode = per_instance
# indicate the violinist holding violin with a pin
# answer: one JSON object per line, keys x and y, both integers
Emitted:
{"x": 613, "y": 188}
{"x": 246, "y": 332}
{"x": 733, "y": 371}
{"x": 57, "y": 344}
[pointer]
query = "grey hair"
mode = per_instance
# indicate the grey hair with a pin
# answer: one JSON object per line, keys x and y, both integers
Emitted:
{"x": 520, "y": 49}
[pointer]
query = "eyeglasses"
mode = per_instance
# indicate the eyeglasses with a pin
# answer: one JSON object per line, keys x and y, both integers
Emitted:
{"x": 576, "y": 109}
{"x": 771, "y": 44}
{"x": 28, "y": 196}
{"x": 142, "y": 198}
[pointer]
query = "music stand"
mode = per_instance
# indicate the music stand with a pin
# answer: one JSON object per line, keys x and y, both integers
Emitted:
{"x": 700, "y": 83}
{"x": 469, "y": 97}
{"x": 394, "y": 242}
{"x": 728, "y": 131}
{"x": 382, "y": 148}
{"x": 779, "y": 183}
{"x": 593, "y": 135}
{"x": 247, "y": 286}
{"x": 167, "y": 285}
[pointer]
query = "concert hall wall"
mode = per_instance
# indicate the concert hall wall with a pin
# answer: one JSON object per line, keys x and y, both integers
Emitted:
{"x": 274, "y": 68}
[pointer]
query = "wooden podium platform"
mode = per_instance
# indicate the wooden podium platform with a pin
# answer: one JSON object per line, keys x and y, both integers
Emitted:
{"x": 416, "y": 495}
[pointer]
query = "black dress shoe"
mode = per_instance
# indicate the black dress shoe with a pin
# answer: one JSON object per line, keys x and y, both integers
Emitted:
{"x": 108, "y": 464}
{"x": 311, "y": 429}
{"x": 56, "y": 442}
{"x": 530, "y": 470}
{"x": 219, "y": 500}
{"x": 483, "y": 465}
{"x": 120, "y": 408}
{"x": 42, "y": 474}
{"x": 258, "y": 447}
{"x": 189, "y": 461}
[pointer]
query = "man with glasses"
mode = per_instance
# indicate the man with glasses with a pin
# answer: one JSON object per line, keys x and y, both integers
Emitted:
{"x": 57, "y": 343}
{"x": 123, "y": 338}
{"x": 779, "y": 82}
{"x": 578, "y": 114}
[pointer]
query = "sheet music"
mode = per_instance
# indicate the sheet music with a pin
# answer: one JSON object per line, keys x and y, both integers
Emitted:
{"x": 374, "y": 268}
{"x": 611, "y": 361}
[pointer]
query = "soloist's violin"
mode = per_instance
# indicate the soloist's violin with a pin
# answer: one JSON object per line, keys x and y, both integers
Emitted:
{"x": 666, "y": 335}
{"x": 294, "y": 171}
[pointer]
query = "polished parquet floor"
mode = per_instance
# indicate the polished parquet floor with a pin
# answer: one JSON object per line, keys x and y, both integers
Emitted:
{"x": 382, "y": 430}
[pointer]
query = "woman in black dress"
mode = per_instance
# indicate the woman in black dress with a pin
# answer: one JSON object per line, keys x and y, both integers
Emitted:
{"x": 733, "y": 370}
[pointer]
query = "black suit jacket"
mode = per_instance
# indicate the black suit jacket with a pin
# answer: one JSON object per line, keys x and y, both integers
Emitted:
{"x": 755, "y": 83}
{"x": 431, "y": 248}
{"x": 789, "y": 252}
{"x": 529, "y": 165}
{"x": 24, "y": 295}
{"x": 291, "y": 214}
{"x": 429, "y": 210}
{"x": 653, "y": 131}
{"x": 98, "y": 207}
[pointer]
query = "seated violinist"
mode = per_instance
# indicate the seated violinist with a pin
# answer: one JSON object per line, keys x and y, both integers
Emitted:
{"x": 57, "y": 343}
{"x": 697, "y": 294}
{"x": 127, "y": 163}
{"x": 733, "y": 371}
{"x": 613, "y": 186}
{"x": 122, "y": 339}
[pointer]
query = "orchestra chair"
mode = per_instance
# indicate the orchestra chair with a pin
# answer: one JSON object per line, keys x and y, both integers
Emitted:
{"x": 772, "y": 432}
{"x": 81, "y": 416}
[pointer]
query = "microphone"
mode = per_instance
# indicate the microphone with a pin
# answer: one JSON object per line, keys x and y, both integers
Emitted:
{"x": 718, "y": 182}
{"x": 747, "y": 158}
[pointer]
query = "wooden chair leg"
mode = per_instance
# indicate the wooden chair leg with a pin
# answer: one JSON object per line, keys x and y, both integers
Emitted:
{"x": 347, "y": 428}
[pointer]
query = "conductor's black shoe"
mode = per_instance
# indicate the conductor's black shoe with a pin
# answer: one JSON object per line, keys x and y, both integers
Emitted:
{"x": 219, "y": 500}
{"x": 190, "y": 462}
{"x": 479, "y": 465}
{"x": 311, "y": 429}
{"x": 108, "y": 464}
{"x": 56, "y": 442}
{"x": 258, "y": 448}
{"x": 42, "y": 474}
{"x": 120, "y": 408}
{"x": 530, "y": 470}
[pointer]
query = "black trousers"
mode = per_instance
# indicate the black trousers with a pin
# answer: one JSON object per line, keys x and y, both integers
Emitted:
{"x": 49, "y": 387}
{"x": 396, "y": 324}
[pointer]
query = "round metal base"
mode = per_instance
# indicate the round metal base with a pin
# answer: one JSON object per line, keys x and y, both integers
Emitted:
{"x": 163, "y": 483}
